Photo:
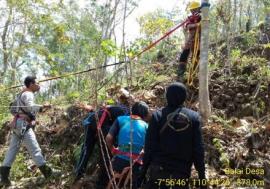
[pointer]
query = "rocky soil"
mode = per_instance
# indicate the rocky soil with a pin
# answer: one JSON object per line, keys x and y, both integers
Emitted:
{"x": 237, "y": 136}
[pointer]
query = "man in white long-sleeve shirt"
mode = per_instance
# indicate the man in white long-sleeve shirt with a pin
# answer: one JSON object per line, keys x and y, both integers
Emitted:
{"x": 23, "y": 133}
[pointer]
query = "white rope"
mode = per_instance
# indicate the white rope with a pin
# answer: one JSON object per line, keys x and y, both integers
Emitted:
{"x": 101, "y": 139}
{"x": 108, "y": 171}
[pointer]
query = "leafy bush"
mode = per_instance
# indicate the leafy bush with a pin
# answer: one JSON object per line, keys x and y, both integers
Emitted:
{"x": 236, "y": 53}
{"x": 250, "y": 39}
{"x": 73, "y": 96}
{"x": 5, "y": 100}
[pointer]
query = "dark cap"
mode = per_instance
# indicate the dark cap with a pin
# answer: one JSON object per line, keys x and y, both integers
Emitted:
{"x": 176, "y": 94}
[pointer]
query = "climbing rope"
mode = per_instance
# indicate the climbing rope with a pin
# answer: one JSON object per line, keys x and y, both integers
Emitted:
{"x": 129, "y": 83}
{"x": 101, "y": 139}
{"x": 131, "y": 128}
{"x": 105, "y": 155}
{"x": 193, "y": 68}
{"x": 150, "y": 46}
{"x": 72, "y": 74}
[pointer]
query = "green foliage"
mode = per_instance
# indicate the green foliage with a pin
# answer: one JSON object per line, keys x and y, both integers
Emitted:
{"x": 60, "y": 37}
{"x": 108, "y": 47}
{"x": 149, "y": 77}
{"x": 266, "y": 3}
{"x": 224, "y": 158}
{"x": 263, "y": 67}
{"x": 77, "y": 149}
{"x": 77, "y": 152}
{"x": 260, "y": 106}
{"x": 155, "y": 23}
{"x": 110, "y": 102}
{"x": 250, "y": 39}
{"x": 72, "y": 96}
{"x": 220, "y": 120}
{"x": 102, "y": 96}
{"x": 136, "y": 46}
{"x": 57, "y": 39}
{"x": 19, "y": 168}
{"x": 266, "y": 46}
{"x": 5, "y": 100}
{"x": 247, "y": 60}
{"x": 236, "y": 53}
{"x": 14, "y": 3}
{"x": 265, "y": 72}
{"x": 56, "y": 161}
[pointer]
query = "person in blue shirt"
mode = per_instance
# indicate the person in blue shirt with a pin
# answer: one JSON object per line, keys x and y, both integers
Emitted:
{"x": 121, "y": 130}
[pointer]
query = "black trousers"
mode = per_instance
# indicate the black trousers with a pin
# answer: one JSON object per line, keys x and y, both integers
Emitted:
{"x": 103, "y": 177}
{"x": 90, "y": 140}
{"x": 184, "y": 55}
{"x": 119, "y": 164}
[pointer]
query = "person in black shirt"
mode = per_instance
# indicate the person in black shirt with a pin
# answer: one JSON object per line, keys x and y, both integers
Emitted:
{"x": 173, "y": 143}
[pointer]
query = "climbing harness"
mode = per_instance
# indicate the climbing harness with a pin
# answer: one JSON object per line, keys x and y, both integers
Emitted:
{"x": 135, "y": 157}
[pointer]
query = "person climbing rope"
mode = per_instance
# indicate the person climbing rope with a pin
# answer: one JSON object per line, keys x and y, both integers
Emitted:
{"x": 91, "y": 136}
{"x": 173, "y": 143}
{"x": 23, "y": 132}
{"x": 120, "y": 130}
{"x": 190, "y": 29}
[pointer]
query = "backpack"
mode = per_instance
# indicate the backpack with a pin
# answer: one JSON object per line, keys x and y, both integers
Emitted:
{"x": 14, "y": 107}
{"x": 178, "y": 116}
{"x": 91, "y": 118}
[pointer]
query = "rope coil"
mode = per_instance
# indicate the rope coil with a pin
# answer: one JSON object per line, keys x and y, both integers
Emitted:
{"x": 195, "y": 59}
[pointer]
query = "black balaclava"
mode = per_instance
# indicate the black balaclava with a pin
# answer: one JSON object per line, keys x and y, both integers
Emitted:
{"x": 176, "y": 94}
{"x": 140, "y": 109}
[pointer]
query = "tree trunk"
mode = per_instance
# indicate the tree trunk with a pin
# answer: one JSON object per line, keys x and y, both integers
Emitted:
{"x": 4, "y": 46}
{"x": 228, "y": 40}
{"x": 123, "y": 45}
{"x": 249, "y": 21}
{"x": 240, "y": 16}
{"x": 216, "y": 37}
{"x": 234, "y": 18}
{"x": 109, "y": 28}
{"x": 14, "y": 61}
{"x": 204, "y": 101}
{"x": 267, "y": 22}
{"x": 256, "y": 13}
{"x": 228, "y": 43}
